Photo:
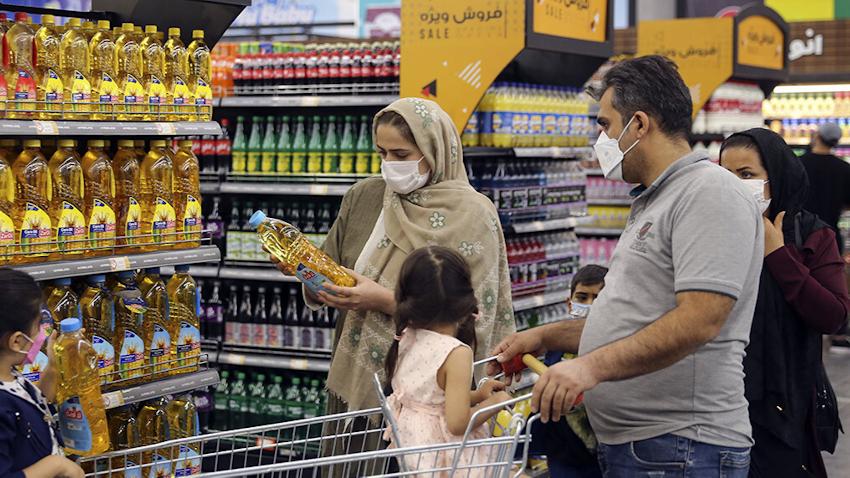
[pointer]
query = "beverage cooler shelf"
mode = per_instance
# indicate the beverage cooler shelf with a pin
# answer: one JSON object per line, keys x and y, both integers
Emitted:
{"x": 307, "y": 361}
{"x": 284, "y": 189}
{"x": 257, "y": 273}
{"x": 594, "y": 172}
{"x": 599, "y": 231}
{"x": 169, "y": 386}
{"x": 550, "y": 225}
{"x": 107, "y": 128}
{"x": 609, "y": 202}
{"x": 540, "y": 300}
{"x": 543, "y": 152}
{"x": 298, "y": 101}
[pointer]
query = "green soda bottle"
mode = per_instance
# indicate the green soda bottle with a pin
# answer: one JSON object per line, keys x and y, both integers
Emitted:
{"x": 269, "y": 154}
{"x": 255, "y": 146}
{"x": 347, "y": 147}
{"x": 239, "y": 148}
{"x": 274, "y": 402}
{"x": 237, "y": 403}
{"x": 314, "y": 149}
{"x": 313, "y": 407}
{"x": 284, "y": 148}
{"x": 364, "y": 148}
{"x": 221, "y": 398}
{"x": 294, "y": 409}
{"x": 330, "y": 161}
{"x": 257, "y": 402}
{"x": 299, "y": 147}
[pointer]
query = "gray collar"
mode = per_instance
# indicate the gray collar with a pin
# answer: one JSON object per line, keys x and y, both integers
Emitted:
{"x": 679, "y": 164}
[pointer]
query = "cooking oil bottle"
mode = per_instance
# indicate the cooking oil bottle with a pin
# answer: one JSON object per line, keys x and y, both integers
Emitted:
{"x": 183, "y": 423}
{"x": 311, "y": 265}
{"x": 20, "y": 76}
{"x": 81, "y": 415}
{"x": 156, "y": 182}
{"x": 99, "y": 199}
{"x": 128, "y": 67}
{"x": 153, "y": 429}
{"x": 98, "y": 316}
{"x": 4, "y": 89}
{"x": 66, "y": 208}
{"x": 153, "y": 75}
{"x": 33, "y": 193}
{"x": 187, "y": 196}
{"x": 48, "y": 78}
{"x": 62, "y": 302}
{"x": 74, "y": 63}
{"x": 7, "y": 203}
{"x": 177, "y": 78}
{"x": 9, "y": 149}
{"x": 103, "y": 75}
{"x": 139, "y": 149}
{"x": 155, "y": 319}
{"x": 200, "y": 74}
{"x": 128, "y": 337}
{"x": 183, "y": 305}
{"x": 124, "y": 435}
{"x": 128, "y": 207}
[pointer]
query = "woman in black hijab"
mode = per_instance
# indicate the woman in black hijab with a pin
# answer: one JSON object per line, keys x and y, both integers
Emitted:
{"x": 801, "y": 296}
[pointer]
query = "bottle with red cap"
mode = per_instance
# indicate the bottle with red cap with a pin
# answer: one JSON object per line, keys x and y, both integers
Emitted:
{"x": 334, "y": 63}
{"x": 366, "y": 63}
{"x": 344, "y": 63}
{"x": 323, "y": 73}
{"x": 356, "y": 62}
{"x": 300, "y": 65}
{"x": 206, "y": 153}
{"x": 289, "y": 68}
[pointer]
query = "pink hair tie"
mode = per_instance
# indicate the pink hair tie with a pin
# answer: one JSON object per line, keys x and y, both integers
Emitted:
{"x": 477, "y": 315}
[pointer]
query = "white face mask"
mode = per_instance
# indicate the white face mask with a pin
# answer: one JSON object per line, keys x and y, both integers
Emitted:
{"x": 579, "y": 310}
{"x": 756, "y": 188}
{"x": 610, "y": 156}
{"x": 403, "y": 176}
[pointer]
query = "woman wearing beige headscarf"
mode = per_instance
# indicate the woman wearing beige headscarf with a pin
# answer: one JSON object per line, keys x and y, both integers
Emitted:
{"x": 423, "y": 199}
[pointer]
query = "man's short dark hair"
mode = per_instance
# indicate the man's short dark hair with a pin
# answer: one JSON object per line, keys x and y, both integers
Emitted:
{"x": 589, "y": 275}
{"x": 651, "y": 84}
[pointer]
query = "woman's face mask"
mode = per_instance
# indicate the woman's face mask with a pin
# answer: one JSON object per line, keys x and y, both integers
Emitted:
{"x": 756, "y": 188}
{"x": 403, "y": 177}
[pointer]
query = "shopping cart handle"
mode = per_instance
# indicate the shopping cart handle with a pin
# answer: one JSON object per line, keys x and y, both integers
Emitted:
{"x": 520, "y": 362}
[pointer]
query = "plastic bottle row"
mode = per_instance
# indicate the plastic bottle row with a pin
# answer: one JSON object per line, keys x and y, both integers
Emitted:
{"x": 807, "y": 105}
{"x": 734, "y": 106}
{"x": 597, "y": 251}
{"x": 542, "y": 257}
{"x": 87, "y": 73}
{"x": 609, "y": 217}
{"x": 601, "y": 188}
{"x": 804, "y": 128}
{"x": 72, "y": 206}
{"x": 527, "y": 319}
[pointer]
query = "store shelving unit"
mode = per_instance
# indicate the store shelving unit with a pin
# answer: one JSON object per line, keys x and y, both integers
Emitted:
{"x": 294, "y": 359}
{"x": 306, "y": 101}
{"x": 543, "y": 152}
{"x": 284, "y": 189}
{"x": 599, "y": 231}
{"x": 594, "y": 172}
{"x": 609, "y": 202}
{"x": 168, "y": 386}
{"x": 540, "y": 300}
{"x": 11, "y": 127}
{"x": 550, "y": 225}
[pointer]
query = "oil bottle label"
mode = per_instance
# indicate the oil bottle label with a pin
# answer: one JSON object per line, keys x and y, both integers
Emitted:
{"x": 164, "y": 222}
{"x": 132, "y": 470}
{"x": 108, "y": 89}
{"x": 361, "y": 165}
{"x": 32, "y": 371}
{"x": 35, "y": 229}
{"x": 134, "y": 215}
{"x": 133, "y": 91}
{"x": 189, "y": 342}
{"x": 161, "y": 467}
{"x": 239, "y": 161}
{"x": 203, "y": 93}
{"x": 312, "y": 279}
{"x": 80, "y": 88}
{"x": 192, "y": 216}
{"x": 25, "y": 87}
{"x": 7, "y": 233}
{"x": 189, "y": 462}
{"x": 502, "y": 122}
{"x": 101, "y": 224}
{"x": 284, "y": 162}
{"x": 253, "y": 162}
{"x": 160, "y": 345}
{"x": 516, "y": 123}
{"x": 3, "y": 92}
{"x": 181, "y": 92}
{"x": 74, "y": 425}
{"x": 105, "y": 356}
{"x": 299, "y": 162}
{"x": 346, "y": 163}
{"x": 53, "y": 87}
{"x": 71, "y": 227}
{"x": 267, "y": 164}
{"x": 132, "y": 355}
{"x": 314, "y": 162}
{"x": 156, "y": 91}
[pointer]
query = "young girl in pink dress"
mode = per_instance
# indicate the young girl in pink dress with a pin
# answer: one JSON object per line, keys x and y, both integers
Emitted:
{"x": 430, "y": 364}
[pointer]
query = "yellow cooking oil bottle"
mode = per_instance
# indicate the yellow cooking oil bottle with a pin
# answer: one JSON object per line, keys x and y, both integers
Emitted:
{"x": 99, "y": 199}
{"x": 20, "y": 75}
{"x": 311, "y": 265}
{"x": 128, "y": 209}
{"x": 187, "y": 196}
{"x": 183, "y": 305}
{"x": 7, "y": 204}
{"x": 9, "y": 149}
{"x": 98, "y": 316}
{"x": 61, "y": 301}
{"x": 155, "y": 319}
{"x": 74, "y": 63}
{"x": 82, "y": 418}
{"x": 128, "y": 336}
{"x": 124, "y": 435}
{"x": 48, "y": 78}
{"x": 67, "y": 206}
{"x": 153, "y": 75}
{"x": 200, "y": 75}
{"x": 4, "y": 90}
{"x": 153, "y": 429}
{"x": 128, "y": 67}
{"x": 183, "y": 423}
{"x": 104, "y": 79}
{"x": 158, "y": 218}
{"x": 177, "y": 78}
{"x": 33, "y": 193}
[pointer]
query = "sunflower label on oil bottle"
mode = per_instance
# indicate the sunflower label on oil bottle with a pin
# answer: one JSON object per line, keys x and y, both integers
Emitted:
{"x": 7, "y": 234}
{"x": 164, "y": 221}
{"x": 24, "y": 90}
{"x": 134, "y": 92}
{"x": 182, "y": 95}
{"x": 133, "y": 225}
{"x": 105, "y": 356}
{"x": 191, "y": 217}
{"x": 35, "y": 230}
{"x": 108, "y": 90}
{"x": 160, "y": 352}
{"x": 188, "y": 343}
{"x": 156, "y": 93}
{"x": 71, "y": 227}
{"x": 161, "y": 466}
{"x": 53, "y": 88}
{"x": 101, "y": 224}
{"x": 132, "y": 355}
{"x": 203, "y": 93}
{"x": 3, "y": 92}
{"x": 80, "y": 89}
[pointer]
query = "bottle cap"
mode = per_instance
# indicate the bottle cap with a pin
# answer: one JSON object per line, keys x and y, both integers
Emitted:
{"x": 97, "y": 278}
{"x": 314, "y": 383}
{"x": 174, "y": 32}
{"x": 261, "y": 378}
{"x": 270, "y": 119}
{"x": 139, "y": 143}
{"x": 32, "y": 143}
{"x": 48, "y": 20}
{"x": 185, "y": 143}
{"x": 8, "y": 143}
{"x": 278, "y": 379}
{"x": 2, "y": 17}
{"x": 257, "y": 218}
{"x": 20, "y": 16}
{"x": 296, "y": 381}
{"x": 74, "y": 22}
{"x": 152, "y": 270}
{"x": 96, "y": 143}
{"x": 125, "y": 143}
{"x": 70, "y": 325}
{"x": 240, "y": 375}
{"x": 197, "y": 34}
{"x": 225, "y": 122}
{"x": 224, "y": 373}
{"x": 182, "y": 267}
{"x": 103, "y": 25}
{"x": 62, "y": 281}
{"x": 126, "y": 274}
{"x": 158, "y": 143}
{"x": 137, "y": 29}
{"x": 65, "y": 143}
{"x": 88, "y": 25}
{"x": 240, "y": 118}
{"x": 150, "y": 28}
{"x": 128, "y": 27}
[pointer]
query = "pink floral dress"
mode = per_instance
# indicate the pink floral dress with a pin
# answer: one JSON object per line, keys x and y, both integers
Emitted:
{"x": 418, "y": 404}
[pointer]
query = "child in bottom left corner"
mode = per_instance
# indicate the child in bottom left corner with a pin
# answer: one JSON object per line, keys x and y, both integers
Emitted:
{"x": 30, "y": 443}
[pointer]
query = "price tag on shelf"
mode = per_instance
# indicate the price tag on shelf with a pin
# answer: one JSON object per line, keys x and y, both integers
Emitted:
{"x": 538, "y": 225}
{"x": 236, "y": 359}
{"x": 319, "y": 190}
{"x": 298, "y": 364}
{"x": 538, "y": 300}
{"x": 557, "y": 152}
{"x": 113, "y": 399}
{"x": 310, "y": 101}
{"x": 46, "y": 127}
{"x": 119, "y": 263}
{"x": 165, "y": 128}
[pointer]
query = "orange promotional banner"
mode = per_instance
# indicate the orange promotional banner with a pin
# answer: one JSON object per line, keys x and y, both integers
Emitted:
{"x": 761, "y": 43}
{"x": 454, "y": 49}
{"x": 701, "y": 47}
{"x": 580, "y": 20}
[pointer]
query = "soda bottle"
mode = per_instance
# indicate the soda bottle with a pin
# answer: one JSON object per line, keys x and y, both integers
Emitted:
{"x": 204, "y": 149}
{"x": 310, "y": 264}
{"x": 291, "y": 330}
{"x": 158, "y": 216}
{"x": 66, "y": 208}
{"x": 82, "y": 419}
{"x": 314, "y": 148}
{"x": 128, "y": 336}
{"x": 231, "y": 317}
{"x": 239, "y": 161}
{"x": 309, "y": 222}
{"x": 99, "y": 199}
{"x": 156, "y": 321}
{"x": 249, "y": 239}
{"x": 275, "y": 403}
{"x": 364, "y": 147}
{"x": 221, "y": 397}
{"x": 294, "y": 407}
{"x": 312, "y": 403}
{"x": 74, "y": 64}
{"x": 98, "y": 318}
{"x": 128, "y": 67}
{"x": 33, "y": 193}
{"x": 324, "y": 330}
{"x": 237, "y": 404}
{"x": 222, "y": 148}
{"x": 344, "y": 63}
{"x": 299, "y": 147}
{"x": 233, "y": 236}
{"x": 200, "y": 74}
{"x": 268, "y": 161}
{"x": 153, "y": 75}
{"x": 177, "y": 85}
{"x": 274, "y": 332}
{"x": 183, "y": 423}
{"x": 307, "y": 327}
{"x": 62, "y": 302}
{"x": 261, "y": 319}
{"x": 347, "y": 147}
{"x": 124, "y": 435}
{"x": 284, "y": 148}
{"x": 366, "y": 63}
{"x": 203, "y": 400}
{"x": 187, "y": 196}
{"x": 153, "y": 429}
{"x": 331, "y": 150}
{"x": 103, "y": 72}
{"x": 128, "y": 207}
{"x": 245, "y": 319}
{"x": 215, "y": 313}
{"x": 323, "y": 222}
{"x": 183, "y": 305}
{"x": 20, "y": 75}
{"x": 255, "y": 146}
{"x": 49, "y": 82}
{"x": 257, "y": 407}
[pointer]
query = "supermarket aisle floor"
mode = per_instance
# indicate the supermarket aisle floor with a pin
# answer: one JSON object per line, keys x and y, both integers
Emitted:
{"x": 838, "y": 368}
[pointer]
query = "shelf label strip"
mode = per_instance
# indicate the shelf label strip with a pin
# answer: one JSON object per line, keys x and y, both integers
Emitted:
{"x": 236, "y": 359}
{"x": 46, "y": 127}
{"x": 113, "y": 399}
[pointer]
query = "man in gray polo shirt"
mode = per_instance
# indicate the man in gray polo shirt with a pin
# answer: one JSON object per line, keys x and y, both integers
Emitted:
{"x": 661, "y": 352}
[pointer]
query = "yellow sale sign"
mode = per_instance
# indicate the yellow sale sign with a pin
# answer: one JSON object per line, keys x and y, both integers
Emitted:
{"x": 761, "y": 43}
{"x": 580, "y": 20}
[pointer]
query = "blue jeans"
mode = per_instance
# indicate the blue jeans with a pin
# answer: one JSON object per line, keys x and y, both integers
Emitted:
{"x": 672, "y": 456}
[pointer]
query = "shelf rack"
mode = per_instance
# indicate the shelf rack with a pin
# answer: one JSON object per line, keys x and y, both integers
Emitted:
{"x": 284, "y": 189}
{"x": 172, "y": 385}
{"x": 299, "y": 101}
{"x": 542, "y": 152}
{"x": 550, "y": 225}
{"x": 540, "y": 300}
{"x": 599, "y": 231}
{"x": 302, "y": 360}
{"x": 11, "y": 127}
{"x": 609, "y": 202}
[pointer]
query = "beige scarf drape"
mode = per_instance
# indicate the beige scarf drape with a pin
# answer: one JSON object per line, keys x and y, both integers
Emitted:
{"x": 446, "y": 212}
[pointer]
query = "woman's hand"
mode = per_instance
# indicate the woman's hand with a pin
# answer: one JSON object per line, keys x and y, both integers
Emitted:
{"x": 773, "y": 237}
{"x": 366, "y": 295}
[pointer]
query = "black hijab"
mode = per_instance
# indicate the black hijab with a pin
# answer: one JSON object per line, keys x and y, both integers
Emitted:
{"x": 784, "y": 354}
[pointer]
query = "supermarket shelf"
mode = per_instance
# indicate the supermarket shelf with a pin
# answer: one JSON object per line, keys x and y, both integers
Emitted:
{"x": 298, "y": 101}
{"x": 594, "y": 172}
{"x": 285, "y": 189}
{"x": 706, "y": 138}
{"x": 210, "y": 187}
{"x": 610, "y": 202}
{"x": 107, "y": 128}
{"x": 550, "y": 225}
{"x": 254, "y": 273}
{"x": 197, "y": 271}
{"x": 546, "y": 152}
{"x": 106, "y": 264}
{"x": 180, "y": 383}
{"x": 541, "y": 300}
{"x": 599, "y": 231}
{"x": 808, "y": 141}
{"x": 285, "y": 361}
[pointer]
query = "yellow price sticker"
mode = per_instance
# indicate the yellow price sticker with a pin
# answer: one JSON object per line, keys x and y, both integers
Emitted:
{"x": 165, "y": 128}
{"x": 319, "y": 190}
{"x": 236, "y": 359}
{"x": 113, "y": 399}
{"x": 298, "y": 364}
{"x": 119, "y": 263}
{"x": 46, "y": 127}
{"x": 310, "y": 101}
